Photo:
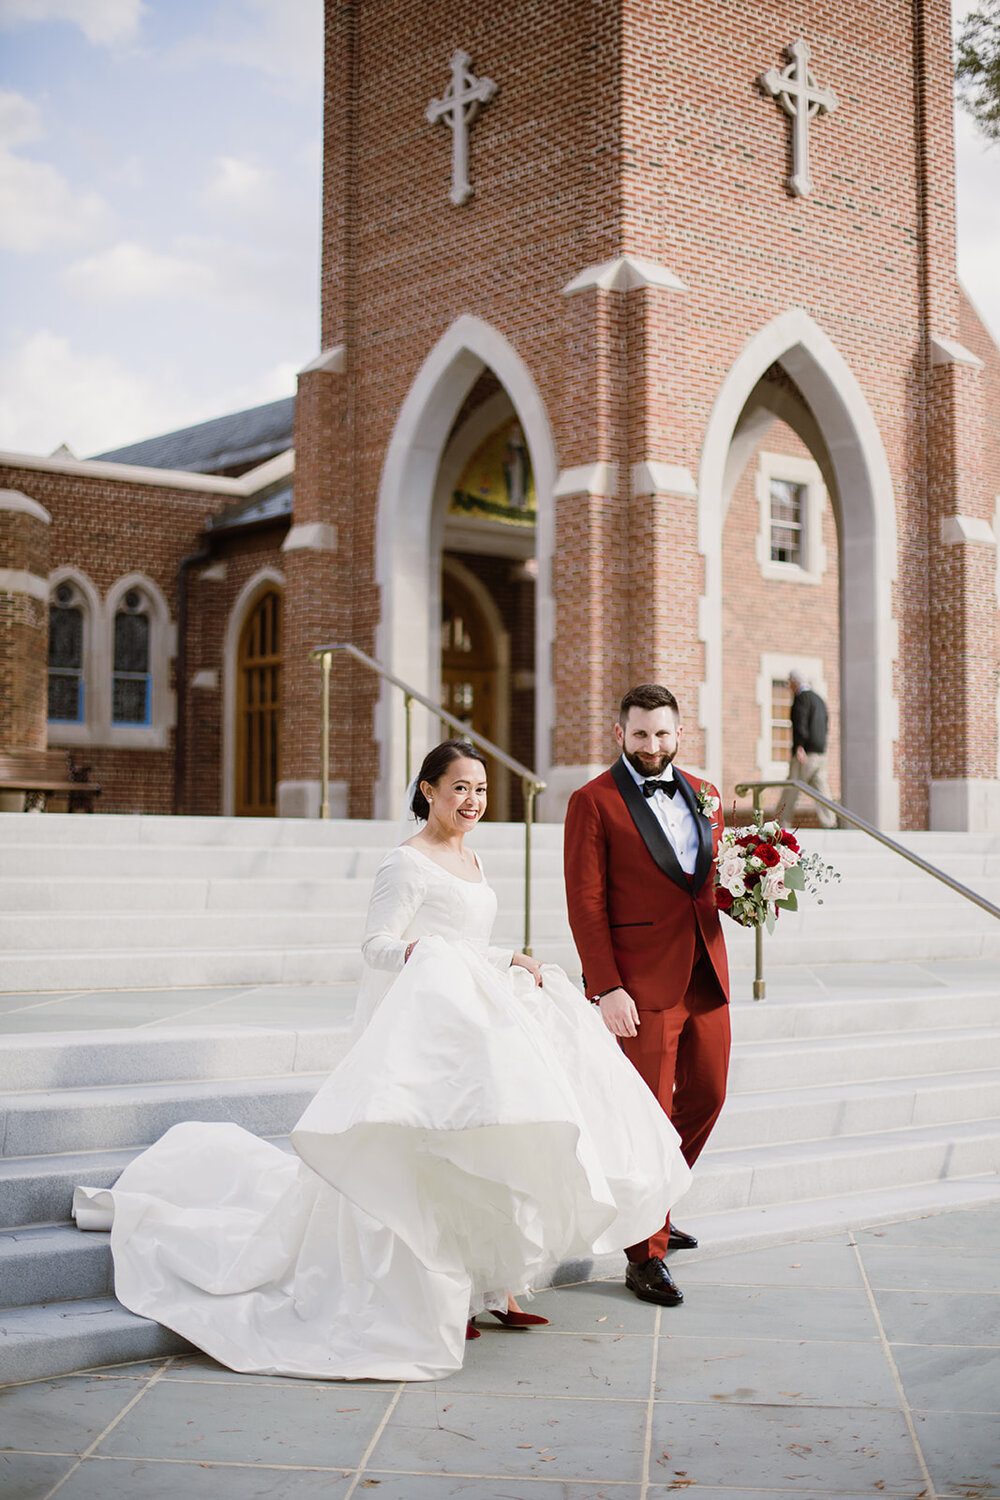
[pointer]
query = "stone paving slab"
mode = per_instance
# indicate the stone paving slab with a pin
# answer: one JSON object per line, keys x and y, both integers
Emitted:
{"x": 853, "y": 1365}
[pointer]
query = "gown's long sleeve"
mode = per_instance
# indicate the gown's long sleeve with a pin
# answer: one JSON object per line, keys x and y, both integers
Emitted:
{"x": 396, "y": 897}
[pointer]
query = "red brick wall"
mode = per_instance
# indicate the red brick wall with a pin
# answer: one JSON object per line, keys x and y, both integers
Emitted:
{"x": 24, "y": 633}
{"x": 608, "y": 135}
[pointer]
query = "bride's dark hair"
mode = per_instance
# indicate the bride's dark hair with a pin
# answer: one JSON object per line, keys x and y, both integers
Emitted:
{"x": 436, "y": 762}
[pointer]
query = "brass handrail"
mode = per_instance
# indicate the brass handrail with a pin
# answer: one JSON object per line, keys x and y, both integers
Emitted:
{"x": 743, "y": 788}
{"x": 529, "y": 781}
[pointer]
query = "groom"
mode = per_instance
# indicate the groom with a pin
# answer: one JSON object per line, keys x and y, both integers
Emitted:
{"x": 640, "y": 847}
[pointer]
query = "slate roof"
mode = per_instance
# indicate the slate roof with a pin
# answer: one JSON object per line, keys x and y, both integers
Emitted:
{"x": 247, "y": 512}
{"x": 244, "y": 439}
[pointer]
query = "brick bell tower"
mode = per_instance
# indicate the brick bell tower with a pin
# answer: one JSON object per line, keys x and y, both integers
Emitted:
{"x": 645, "y": 236}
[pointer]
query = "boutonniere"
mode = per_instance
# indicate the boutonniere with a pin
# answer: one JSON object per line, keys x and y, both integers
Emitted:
{"x": 707, "y": 804}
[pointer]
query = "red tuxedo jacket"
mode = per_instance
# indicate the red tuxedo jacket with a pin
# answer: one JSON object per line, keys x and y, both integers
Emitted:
{"x": 633, "y": 911}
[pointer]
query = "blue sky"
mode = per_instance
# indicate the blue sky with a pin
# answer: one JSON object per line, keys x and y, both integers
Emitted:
{"x": 159, "y": 213}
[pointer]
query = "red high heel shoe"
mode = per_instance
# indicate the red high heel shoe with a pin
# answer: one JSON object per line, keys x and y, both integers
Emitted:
{"x": 471, "y": 1331}
{"x": 519, "y": 1319}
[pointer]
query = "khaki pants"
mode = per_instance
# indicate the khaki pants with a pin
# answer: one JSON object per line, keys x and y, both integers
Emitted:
{"x": 812, "y": 771}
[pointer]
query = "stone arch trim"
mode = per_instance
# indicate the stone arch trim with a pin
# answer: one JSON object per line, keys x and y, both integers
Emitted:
{"x": 406, "y": 558}
{"x": 868, "y": 550}
{"x": 263, "y": 579}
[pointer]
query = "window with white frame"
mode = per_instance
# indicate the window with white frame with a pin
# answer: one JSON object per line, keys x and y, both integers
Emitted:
{"x": 781, "y": 720}
{"x": 131, "y": 685}
{"x": 787, "y": 510}
{"x": 774, "y": 703}
{"x": 66, "y": 655}
{"x": 139, "y": 642}
{"x": 792, "y": 498}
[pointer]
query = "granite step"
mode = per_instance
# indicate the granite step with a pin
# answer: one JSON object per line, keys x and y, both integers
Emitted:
{"x": 797, "y": 1172}
{"x": 99, "y": 1059}
{"x": 56, "y": 1338}
{"x": 830, "y": 1111}
{"x": 53, "y": 1123}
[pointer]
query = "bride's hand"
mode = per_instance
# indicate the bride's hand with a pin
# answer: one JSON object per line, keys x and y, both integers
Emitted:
{"x": 534, "y": 968}
{"x": 409, "y": 949}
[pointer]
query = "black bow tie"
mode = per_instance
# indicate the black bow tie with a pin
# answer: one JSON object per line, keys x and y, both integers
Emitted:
{"x": 651, "y": 786}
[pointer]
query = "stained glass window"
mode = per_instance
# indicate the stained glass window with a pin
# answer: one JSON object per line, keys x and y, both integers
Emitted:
{"x": 65, "y": 656}
{"x": 130, "y": 693}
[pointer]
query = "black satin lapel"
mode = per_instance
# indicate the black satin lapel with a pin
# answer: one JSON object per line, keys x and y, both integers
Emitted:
{"x": 652, "y": 835}
{"x": 703, "y": 860}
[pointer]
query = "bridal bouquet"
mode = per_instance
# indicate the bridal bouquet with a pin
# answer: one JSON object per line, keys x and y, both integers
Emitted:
{"x": 759, "y": 871}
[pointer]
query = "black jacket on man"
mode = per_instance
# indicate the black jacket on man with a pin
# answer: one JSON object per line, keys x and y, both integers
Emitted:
{"x": 808, "y": 717}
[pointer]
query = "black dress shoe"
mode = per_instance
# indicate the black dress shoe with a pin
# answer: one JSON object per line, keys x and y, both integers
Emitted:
{"x": 681, "y": 1240}
{"x": 652, "y": 1282}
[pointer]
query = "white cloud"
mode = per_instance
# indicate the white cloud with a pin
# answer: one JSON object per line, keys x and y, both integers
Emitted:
{"x": 88, "y": 401}
{"x": 281, "y": 38}
{"x": 129, "y": 272}
{"x": 38, "y": 207}
{"x": 93, "y": 402}
{"x": 105, "y": 23}
{"x": 237, "y": 185}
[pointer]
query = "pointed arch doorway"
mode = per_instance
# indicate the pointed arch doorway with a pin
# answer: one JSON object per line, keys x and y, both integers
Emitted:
{"x": 414, "y": 531}
{"x": 845, "y": 441}
{"x": 258, "y": 708}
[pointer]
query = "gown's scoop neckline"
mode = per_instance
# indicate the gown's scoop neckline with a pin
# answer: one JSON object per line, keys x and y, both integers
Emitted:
{"x": 482, "y": 878}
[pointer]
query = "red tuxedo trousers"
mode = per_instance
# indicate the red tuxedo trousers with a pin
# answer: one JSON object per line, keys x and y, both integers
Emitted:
{"x": 683, "y": 1055}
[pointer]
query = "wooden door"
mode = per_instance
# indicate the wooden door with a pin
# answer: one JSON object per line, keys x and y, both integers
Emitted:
{"x": 258, "y": 709}
{"x": 469, "y": 670}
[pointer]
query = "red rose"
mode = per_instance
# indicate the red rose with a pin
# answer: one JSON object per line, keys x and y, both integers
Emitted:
{"x": 790, "y": 841}
{"x": 768, "y": 854}
{"x": 723, "y": 898}
{"x": 747, "y": 840}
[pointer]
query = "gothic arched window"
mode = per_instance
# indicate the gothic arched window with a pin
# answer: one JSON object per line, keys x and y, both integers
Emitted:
{"x": 130, "y": 681}
{"x": 66, "y": 627}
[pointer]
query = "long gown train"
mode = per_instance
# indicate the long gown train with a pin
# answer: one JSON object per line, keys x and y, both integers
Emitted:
{"x": 479, "y": 1132}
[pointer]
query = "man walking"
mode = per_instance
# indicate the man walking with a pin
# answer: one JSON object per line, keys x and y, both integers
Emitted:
{"x": 808, "y": 758}
{"x": 640, "y": 847}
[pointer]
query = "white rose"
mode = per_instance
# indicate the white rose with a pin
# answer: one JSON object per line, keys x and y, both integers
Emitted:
{"x": 773, "y": 884}
{"x": 788, "y": 856}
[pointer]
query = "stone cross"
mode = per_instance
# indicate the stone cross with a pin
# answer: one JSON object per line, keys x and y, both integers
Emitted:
{"x": 797, "y": 94}
{"x": 458, "y": 109}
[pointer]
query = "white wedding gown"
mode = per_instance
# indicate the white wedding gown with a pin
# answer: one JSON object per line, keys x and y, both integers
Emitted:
{"x": 479, "y": 1132}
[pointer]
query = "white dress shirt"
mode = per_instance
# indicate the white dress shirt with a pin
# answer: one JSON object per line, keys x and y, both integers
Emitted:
{"x": 674, "y": 817}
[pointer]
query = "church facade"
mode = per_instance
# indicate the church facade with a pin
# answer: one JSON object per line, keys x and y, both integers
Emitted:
{"x": 643, "y": 357}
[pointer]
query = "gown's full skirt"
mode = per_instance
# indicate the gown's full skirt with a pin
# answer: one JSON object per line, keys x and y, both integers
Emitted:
{"x": 480, "y": 1132}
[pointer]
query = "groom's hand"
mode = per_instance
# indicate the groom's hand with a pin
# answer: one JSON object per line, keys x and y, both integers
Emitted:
{"x": 619, "y": 1013}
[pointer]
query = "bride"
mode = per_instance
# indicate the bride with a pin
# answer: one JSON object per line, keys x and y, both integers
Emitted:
{"x": 483, "y": 1128}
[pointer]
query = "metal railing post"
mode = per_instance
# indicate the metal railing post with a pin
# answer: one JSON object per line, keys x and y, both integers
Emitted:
{"x": 326, "y": 662}
{"x": 530, "y": 789}
{"x": 408, "y": 708}
{"x": 449, "y": 723}
{"x": 759, "y": 989}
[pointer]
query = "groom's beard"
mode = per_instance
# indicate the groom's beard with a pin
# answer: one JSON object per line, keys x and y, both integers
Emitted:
{"x": 649, "y": 765}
